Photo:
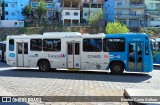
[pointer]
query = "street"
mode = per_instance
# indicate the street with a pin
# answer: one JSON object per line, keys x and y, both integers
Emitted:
{"x": 31, "y": 82}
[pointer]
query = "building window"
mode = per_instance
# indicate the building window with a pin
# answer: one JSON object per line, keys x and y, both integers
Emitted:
{"x": 36, "y": 45}
{"x": 93, "y": 5}
{"x": 50, "y": 6}
{"x": 6, "y": 5}
{"x": 119, "y": 3}
{"x": 34, "y": 4}
{"x": 85, "y": 14}
{"x": 21, "y": 23}
{"x": 13, "y": 5}
{"x": 6, "y": 12}
{"x": 51, "y": 45}
{"x": 133, "y": 13}
{"x": 119, "y": 13}
{"x": 86, "y": 5}
{"x": 12, "y": 13}
{"x": 67, "y": 13}
{"x": 75, "y": 13}
{"x": 99, "y": 5}
{"x": 15, "y": 23}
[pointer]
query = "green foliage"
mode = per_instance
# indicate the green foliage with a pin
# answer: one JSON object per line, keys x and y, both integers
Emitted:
{"x": 153, "y": 32}
{"x": 41, "y": 10}
{"x": 116, "y": 27}
{"x": 95, "y": 18}
{"x": 4, "y": 38}
{"x": 27, "y": 11}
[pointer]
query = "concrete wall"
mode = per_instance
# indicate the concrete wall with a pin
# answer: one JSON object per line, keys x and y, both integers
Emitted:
{"x": 11, "y": 23}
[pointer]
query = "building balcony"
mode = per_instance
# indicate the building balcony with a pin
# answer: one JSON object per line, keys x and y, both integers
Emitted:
{"x": 122, "y": 7}
{"x": 70, "y": 3}
{"x": 155, "y": 23}
{"x": 71, "y": 8}
{"x": 47, "y": 1}
{"x": 137, "y": 6}
{"x": 129, "y": 16}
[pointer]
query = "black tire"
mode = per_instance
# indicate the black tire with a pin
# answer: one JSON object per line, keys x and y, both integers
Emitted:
{"x": 117, "y": 68}
{"x": 44, "y": 65}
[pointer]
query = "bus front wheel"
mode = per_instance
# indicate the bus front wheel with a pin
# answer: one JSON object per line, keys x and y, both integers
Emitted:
{"x": 117, "y": 68}
{"x": 44, "y": 65}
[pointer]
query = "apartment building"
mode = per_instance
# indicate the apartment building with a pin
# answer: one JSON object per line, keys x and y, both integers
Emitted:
{"x": 153, "y": 13}
{"x": 57, "y": 5}
{"x": 108, "y": 10}
{"x": 130, "y": 12}
{"x": 13, "y": 9}
{"x": 90, "y": 6}
{"x": 70, "y": 14}
{"x": 0, "y": 9}
{"x": 50, "y": 6}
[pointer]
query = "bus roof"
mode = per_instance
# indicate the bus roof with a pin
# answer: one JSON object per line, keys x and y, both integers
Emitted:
{"x": 61, "y": 33}
{"x": 77, "y": 35}
{"x": 127, "y": 35}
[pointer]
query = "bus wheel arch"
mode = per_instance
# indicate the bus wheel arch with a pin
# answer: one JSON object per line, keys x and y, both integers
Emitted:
{"x": 43, "y": 64}
{"x": 117, "y": 67}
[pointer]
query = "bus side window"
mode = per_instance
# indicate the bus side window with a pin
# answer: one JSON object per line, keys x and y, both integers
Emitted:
{"x": 36, "y": 45}
{"x": 146, "y": 49}
{"x": 11, "y": 45}
{"x": 19, "y": 48}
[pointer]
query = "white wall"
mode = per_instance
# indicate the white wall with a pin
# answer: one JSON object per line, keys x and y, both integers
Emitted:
{"x": 11, "y": 23}
{"x": 71, "y": 16}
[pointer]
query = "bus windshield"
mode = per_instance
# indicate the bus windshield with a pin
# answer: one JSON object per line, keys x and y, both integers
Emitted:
{"x": 1, "y": 46}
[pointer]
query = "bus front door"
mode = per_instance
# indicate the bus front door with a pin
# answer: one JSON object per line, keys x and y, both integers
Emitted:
{"x": 135, "y": 61}
{"x": 22, "y": 56}
{"x": 73, "y": 55}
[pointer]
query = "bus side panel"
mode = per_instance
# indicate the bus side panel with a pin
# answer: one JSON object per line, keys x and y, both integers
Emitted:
{"x": 56, "y": 59}
{"x": 94, "y": 60}
{"x": 118, "y": 57}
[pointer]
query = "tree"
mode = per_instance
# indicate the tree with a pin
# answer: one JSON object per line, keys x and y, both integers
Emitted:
{"x": 116, "y": 27}
{"x": 41, "y": 10}
{"x": 27, "y": 11}
{"x": 96, "y": 18}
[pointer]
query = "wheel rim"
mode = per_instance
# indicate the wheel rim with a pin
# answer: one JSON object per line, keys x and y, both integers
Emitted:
{"x": 117, "y": 68}
{"x": 44, "y": 67}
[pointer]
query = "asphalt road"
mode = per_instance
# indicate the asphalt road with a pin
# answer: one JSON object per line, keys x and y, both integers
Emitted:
{"x": 31, "y": 82}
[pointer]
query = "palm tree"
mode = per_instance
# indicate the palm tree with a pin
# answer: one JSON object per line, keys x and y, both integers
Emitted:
{"x": 27, "y": 11}
{"x": 41, "y": 10}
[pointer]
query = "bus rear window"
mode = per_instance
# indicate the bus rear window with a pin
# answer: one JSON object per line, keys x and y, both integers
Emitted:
{"x": 113, "y": 45}
{"x": 36, "y": 45}
{"x": 11, "y": 45}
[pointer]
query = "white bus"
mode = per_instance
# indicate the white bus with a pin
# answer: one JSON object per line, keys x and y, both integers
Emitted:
{"x": 72, "y": 50}
{"x": 2, "y": 51}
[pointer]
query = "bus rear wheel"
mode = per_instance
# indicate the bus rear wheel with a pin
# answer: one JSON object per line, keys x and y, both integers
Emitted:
{"x": 44, "y": 65}
{"x": 117, "y": 68}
